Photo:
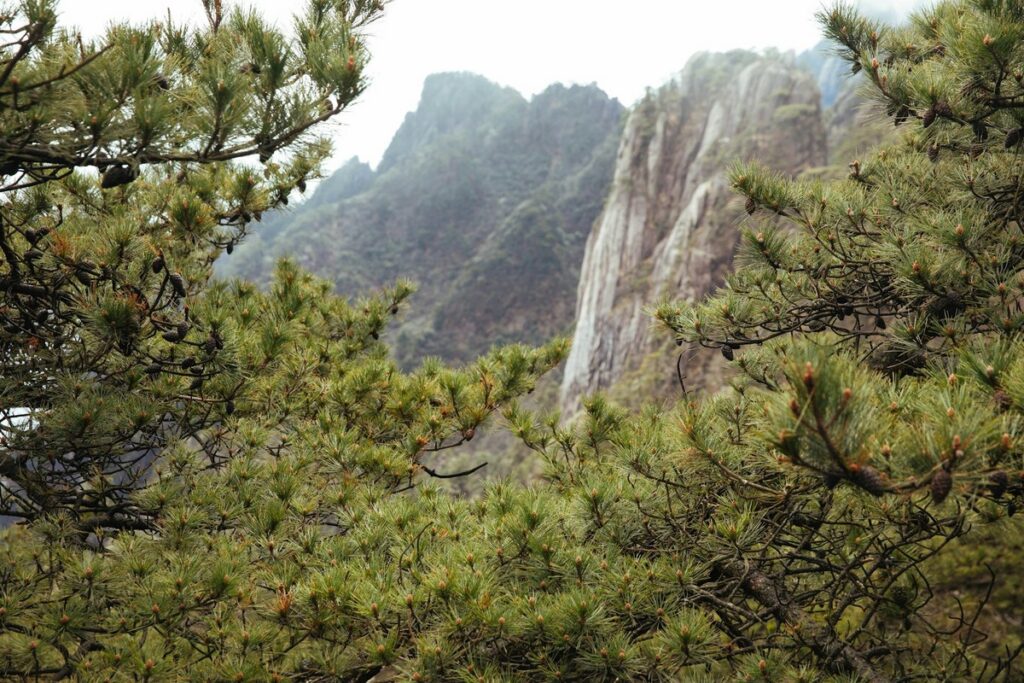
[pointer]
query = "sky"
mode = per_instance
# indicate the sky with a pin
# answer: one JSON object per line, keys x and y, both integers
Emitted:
{"x": 623, "y": 47}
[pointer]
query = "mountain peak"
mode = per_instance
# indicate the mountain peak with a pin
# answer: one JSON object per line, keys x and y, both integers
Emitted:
{"x": 449, "y": 101}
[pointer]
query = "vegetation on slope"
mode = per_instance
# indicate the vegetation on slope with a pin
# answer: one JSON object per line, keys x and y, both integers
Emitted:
{"x": 267, "y": 516}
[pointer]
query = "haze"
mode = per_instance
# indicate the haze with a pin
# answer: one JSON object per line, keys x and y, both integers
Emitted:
{"x": 526, "y": 44}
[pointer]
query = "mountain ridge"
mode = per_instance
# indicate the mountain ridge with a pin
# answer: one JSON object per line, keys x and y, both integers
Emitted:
{"x": 484, "y": 197}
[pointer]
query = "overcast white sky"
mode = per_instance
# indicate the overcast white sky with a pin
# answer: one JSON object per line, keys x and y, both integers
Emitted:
{"x": 527, "y": 44}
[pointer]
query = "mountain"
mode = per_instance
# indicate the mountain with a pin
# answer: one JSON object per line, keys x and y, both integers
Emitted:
{"x": 483, "y": 198}
{"x": 517, "y": 217}
{"x": 670, "y": 224}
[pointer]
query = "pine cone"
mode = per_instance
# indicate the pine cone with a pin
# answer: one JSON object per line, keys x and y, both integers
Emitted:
{"x": 902, "y": 114}
{"x": 158, "y": 264}
{"x": 869, "y": 479}
{"x": 942, "y": 484}
{"x": 727, "y": 352}
{"x": 998, "y": 483}
{"x": 831, "y": 480}
{"x": 980, "y": 130}
{"x": 178, "y": 282}
{"x": 943, "y": 109}
{"x": 929, "y": 117}
{"x": 751, "y": 206}
{"x": 177, "y": 334}
{"x": 115, "y": 176}
{"x": 1002, "y": 400}
{"x": 1013, "y": 138}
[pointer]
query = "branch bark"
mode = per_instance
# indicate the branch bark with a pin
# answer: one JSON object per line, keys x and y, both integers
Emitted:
{"x": 771, "y": 593}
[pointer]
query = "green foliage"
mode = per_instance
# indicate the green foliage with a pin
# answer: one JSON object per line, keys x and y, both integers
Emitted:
{"x": 216, "y": 482}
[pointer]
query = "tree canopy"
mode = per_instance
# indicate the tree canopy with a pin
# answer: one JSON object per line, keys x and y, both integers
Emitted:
{"x": 213, "y": 482}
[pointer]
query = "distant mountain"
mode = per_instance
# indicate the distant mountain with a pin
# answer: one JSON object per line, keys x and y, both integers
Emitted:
{"x": 484, "y": 198}
{"x": 520, "y": 217}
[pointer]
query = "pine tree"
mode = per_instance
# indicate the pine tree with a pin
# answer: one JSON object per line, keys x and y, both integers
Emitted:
{"x": 171, "y": 444}
{"x": 219, "y": 483}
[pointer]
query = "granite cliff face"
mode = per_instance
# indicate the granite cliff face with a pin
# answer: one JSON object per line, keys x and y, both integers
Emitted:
{"x": 671, "y": 224}
{"x": 491, "y": 202}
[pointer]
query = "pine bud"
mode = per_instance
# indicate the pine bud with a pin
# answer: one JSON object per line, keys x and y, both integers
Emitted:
{"x": 942, "y": 484}
{"x": 809, "y": 376}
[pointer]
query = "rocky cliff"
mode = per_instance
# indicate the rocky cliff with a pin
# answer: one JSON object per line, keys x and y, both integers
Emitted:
{"x": 484, "y": 199}
{"x": 670, "y": 224}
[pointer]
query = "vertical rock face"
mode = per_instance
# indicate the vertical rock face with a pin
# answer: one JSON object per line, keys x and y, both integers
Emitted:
{"x": 671, "y": 224}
